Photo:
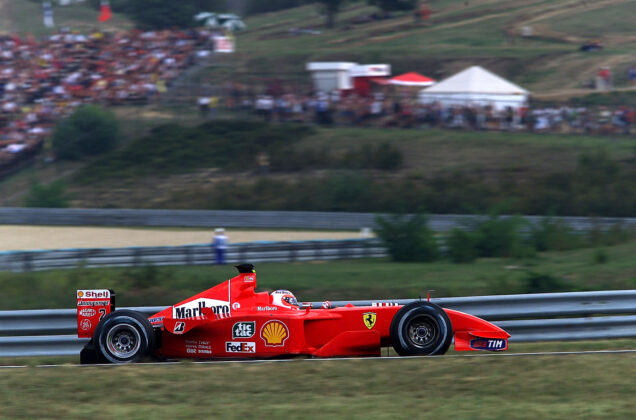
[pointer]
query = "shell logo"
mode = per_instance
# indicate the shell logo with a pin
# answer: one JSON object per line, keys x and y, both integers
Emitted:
{"x": 274, "y": 333}
{"x": 80, "y": 293}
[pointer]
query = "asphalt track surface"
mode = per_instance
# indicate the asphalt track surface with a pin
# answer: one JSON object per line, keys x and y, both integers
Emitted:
{"x": 336, "y": 359}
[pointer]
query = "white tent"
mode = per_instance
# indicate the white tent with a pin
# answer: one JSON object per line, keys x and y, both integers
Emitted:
{"x": 475, "y": 86}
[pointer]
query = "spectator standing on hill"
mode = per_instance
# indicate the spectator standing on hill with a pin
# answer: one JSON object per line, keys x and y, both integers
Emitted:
{"x": 214, "y": 106}
{"x": 604, "y": 79}
{"x": 204, "y": 105}
{"x": 219, "y": 243}
{"x": 631, "y": 73}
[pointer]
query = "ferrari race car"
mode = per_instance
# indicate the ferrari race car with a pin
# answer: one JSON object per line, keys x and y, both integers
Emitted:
{"x": 231, "y": 320}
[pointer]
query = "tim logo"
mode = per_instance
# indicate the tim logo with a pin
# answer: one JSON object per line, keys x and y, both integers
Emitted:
{"x": 488, "y": 344}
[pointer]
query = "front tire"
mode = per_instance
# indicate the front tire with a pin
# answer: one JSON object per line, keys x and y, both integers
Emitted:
{"x": 421, "y": 329}
{"x": 124, "y": 336}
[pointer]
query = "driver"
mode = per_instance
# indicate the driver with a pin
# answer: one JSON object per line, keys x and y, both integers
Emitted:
{"x": 284, "y": 298}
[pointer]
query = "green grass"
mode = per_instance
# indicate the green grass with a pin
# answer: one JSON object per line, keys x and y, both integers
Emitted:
{"x": 315, "y": 281}
{"x": 448, "y": 151}
{"x": 174, "y": 148}
{"x": 426, "y": 151}
{"x": 458, "y": 34}
{"x": 593, "y": 23}
{"x": 521, "y": 387}
{"x": 25, "y": 16}
{"x": 190, "y": 167}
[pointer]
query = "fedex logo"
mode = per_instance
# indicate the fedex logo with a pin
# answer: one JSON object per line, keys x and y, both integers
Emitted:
{"x": 240, "y": 347}
{"x": 94, "y": 294}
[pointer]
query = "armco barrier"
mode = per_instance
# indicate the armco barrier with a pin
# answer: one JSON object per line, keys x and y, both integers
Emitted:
{"x": 525, "y": 317}
{"x": 250, "y": 219}
{"x": 191, "y": 254}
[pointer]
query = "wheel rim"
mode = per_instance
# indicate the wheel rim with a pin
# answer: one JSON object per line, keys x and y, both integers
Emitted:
{"x": 123, "y": 341}
{"x": 422, "y": 331}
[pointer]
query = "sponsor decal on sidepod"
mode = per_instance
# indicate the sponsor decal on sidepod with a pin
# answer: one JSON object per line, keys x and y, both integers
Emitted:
{"x": 274, "y": 333}
{"x": 240, "y": 347}
{"x": 244, "y": 329}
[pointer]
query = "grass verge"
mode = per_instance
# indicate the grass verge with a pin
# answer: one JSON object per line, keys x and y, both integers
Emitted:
{"x": 520, "y": 387}
{"x": 577, "y": 270}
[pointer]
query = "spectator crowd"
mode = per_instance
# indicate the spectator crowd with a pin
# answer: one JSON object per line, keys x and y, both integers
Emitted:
{"x": 403, "y": 110}
{"x": 43, "y": 80}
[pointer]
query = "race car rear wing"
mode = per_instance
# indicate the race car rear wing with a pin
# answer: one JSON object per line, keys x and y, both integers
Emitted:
{"x": 92, "y": 306}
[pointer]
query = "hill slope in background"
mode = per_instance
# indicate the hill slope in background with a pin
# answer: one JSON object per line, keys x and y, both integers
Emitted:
{"x": 25, "y": 16}
{"x": 345, "y": 169}
{"x": 458, "y": 34}
{"x": 434, "y": 162}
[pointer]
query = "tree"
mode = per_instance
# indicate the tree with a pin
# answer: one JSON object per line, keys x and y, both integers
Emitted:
{"x": 408, "y": 238}
{"x": 394, "y": 5}
{"x": 49, "y": 196}
{"x": 332, "y": 7}
{"x": 260, "y": 6}
{"x": 90, "y": 130}
{"x": 161, "y": 14}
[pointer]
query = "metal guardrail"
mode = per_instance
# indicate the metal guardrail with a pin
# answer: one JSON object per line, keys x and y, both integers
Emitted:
{"x": 525, "y": 317}
{"x": 191, "y": 254}
{"x": 252, "y": 219}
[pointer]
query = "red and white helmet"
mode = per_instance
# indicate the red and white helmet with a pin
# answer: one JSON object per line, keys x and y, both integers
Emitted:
{"x": 284, "y": 298}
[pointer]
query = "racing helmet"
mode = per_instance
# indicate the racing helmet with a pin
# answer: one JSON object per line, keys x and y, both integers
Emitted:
{"x": 284, "y": 298}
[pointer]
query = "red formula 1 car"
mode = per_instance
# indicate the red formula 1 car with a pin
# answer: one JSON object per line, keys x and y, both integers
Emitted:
{"x": 231, "y": 320}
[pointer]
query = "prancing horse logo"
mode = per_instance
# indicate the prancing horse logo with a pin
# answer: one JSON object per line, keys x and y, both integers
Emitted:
{"x": 369, "y": 319}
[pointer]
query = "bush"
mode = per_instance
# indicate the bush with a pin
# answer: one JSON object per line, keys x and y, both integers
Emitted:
{"x": 600, "y": 256}
{"x": 171, "y": 148}
{"x": 544, "y": 283}
{"x": 90, "y": 130}
{"x": 383, "y": 157}
{"x": 408, "y": 238}
{"x": 616, "y": 234}
{"x": 553, "y": 235}
{"x": 461, "y": 246}
{"x": 48, "y": 196}
{"x": 498, "y": 237}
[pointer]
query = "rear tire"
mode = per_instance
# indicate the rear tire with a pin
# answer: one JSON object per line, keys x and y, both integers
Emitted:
{"x": 421, "y": 329}
{"x": 124, "y": 336}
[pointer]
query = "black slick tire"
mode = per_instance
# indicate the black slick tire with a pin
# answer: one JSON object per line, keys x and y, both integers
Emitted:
{"x": 421, "y": 329}
{"x": 124, "y": 336}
